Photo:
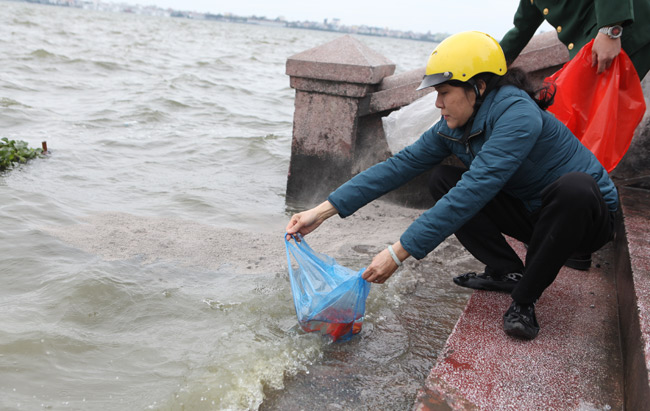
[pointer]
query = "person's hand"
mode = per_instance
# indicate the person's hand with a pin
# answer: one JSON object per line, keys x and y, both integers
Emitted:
{"x": 603, "y": 51}
{"x": 307, "y": 221}
{"x": 383, "y": 265}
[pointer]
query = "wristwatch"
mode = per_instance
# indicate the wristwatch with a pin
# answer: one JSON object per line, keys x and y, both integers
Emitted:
{"x": 613, "y": 32}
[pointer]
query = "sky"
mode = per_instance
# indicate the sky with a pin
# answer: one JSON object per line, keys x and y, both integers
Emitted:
{"x": 450, "y": 16}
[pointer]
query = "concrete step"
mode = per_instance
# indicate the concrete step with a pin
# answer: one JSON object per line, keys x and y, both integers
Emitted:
{"x": 574, "y": 363}
{"x": 584, "y": 356}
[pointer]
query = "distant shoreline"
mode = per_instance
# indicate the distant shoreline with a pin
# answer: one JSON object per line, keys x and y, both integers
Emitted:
{"x": 331, "y": 26}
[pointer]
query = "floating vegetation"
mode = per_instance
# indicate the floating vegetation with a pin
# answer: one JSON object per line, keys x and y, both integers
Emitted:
{"x": 12, "y": 152}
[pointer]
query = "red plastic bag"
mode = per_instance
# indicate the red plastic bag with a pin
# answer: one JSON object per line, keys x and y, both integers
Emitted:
{"x": 602, "y": 110}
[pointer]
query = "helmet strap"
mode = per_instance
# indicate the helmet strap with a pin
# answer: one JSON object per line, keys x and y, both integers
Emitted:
{"x": 475, "y": 87}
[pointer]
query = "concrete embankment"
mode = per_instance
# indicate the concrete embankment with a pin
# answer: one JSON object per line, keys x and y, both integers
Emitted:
{"x": 574, "y": 363}
{"x": 593, "y": 350}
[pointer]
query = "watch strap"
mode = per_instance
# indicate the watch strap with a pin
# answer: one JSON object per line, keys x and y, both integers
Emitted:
{"x": 613, "y": 32}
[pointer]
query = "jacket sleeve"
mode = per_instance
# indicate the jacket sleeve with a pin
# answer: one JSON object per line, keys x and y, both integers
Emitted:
{"x": 388, "y": 175}
{"x": 517, "y": 126}
{"x": 527, "y": 20}
{"x": 610, "y": 12}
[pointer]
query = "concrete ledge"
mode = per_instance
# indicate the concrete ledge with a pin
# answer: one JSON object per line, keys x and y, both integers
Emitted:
{"x": 633, "y": 285}
{"x": 543, "y": 51}
{"x": 411, "y": 78}
{"x": 396, "y": 91}
{"x": 543, "y": 56}
{"x": 573, "y": 364}
{"x": 593, "y": 350}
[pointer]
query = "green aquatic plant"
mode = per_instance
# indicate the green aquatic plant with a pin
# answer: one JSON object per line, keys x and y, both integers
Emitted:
{"x": 12, "y": 151}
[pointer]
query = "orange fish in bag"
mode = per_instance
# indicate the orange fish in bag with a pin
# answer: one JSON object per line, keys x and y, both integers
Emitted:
{"x": 329, "y": 298}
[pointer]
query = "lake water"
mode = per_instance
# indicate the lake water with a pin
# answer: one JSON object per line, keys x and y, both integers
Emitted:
{"x": 142, "y": 263}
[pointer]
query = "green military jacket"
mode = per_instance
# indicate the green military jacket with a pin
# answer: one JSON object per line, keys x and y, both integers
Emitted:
{"x": 578, "y": 21}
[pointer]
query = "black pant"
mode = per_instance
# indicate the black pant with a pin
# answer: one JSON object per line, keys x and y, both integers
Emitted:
{"x": 573, "y": 218}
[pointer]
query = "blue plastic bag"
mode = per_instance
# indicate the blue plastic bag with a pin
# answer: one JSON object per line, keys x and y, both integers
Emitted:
{"x": 329, "y": 298}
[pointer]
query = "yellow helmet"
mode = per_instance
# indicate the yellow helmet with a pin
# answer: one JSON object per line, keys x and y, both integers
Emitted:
{"x": 462, "y": 56}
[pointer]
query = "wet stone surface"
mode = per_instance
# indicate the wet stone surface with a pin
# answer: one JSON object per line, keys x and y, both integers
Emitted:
{"x": 408, "y": 320}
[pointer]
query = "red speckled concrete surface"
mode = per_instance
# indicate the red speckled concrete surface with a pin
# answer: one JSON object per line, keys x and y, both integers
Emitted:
{"x": 573, "y": 364}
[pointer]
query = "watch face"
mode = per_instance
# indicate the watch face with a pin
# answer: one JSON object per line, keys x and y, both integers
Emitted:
{"x": 615, "y": 32}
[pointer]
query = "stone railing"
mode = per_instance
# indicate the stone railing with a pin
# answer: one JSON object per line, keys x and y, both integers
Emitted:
{"x": 343, "y": 89}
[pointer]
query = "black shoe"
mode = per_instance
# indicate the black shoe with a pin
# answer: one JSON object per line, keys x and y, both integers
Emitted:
{"x": 487, "y": 282}
{"x": 579, "y": 262}
{"x": 520, "y": 322}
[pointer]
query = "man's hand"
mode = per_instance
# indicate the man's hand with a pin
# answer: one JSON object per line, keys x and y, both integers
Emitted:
{"x": 603, "y": 51}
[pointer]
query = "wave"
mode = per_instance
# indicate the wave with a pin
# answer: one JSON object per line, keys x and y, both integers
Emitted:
{"x": 44, "y": 54}
{"x": 8, "y": 102}
{"x": 26, "y": 23}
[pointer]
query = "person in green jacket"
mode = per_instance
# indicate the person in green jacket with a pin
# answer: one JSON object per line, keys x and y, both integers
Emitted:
{"x": 525, "y": 176}
{"x": 614, "y": 25}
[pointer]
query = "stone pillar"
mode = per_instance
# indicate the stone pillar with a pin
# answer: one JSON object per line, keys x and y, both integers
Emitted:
{"x": 332, "y": 82}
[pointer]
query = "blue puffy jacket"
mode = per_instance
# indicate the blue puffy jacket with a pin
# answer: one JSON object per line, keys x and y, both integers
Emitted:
{"x": 514, "y": 146}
